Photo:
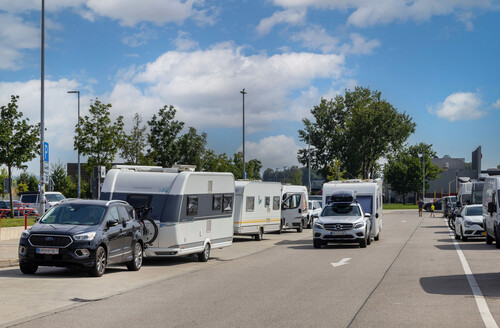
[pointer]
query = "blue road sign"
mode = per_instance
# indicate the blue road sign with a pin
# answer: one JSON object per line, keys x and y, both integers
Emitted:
{"x": 45, "y": 151}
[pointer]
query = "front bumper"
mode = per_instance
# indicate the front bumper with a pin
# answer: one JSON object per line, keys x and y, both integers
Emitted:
{"x": 473, "y": 231}
{"x": 343, "y": 236}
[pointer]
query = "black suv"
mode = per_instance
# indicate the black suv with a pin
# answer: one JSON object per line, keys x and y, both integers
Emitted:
{"x": 84, "y": 233}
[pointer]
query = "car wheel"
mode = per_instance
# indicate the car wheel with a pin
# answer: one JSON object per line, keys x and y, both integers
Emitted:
{"x": 316, "y": 243}
{"x": 301, "y": 227}
{"x": 377, "y": 237}
{"x": 260, "y": 235}
{"x": 462, "y": 234}
{"x": 362, "y": 243}
{"x": 100, "y": 263}
{"x": 28, "y": 268}
{"x": 136, "y": 263}
{"x": 203, "y": 256}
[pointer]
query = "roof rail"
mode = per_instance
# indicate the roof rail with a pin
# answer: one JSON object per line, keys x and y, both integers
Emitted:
{"x": 141, "y": 168}
{"x": 115, "y": 201}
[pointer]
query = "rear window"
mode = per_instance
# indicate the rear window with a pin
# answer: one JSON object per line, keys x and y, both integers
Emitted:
{"x": 28, "y": 198}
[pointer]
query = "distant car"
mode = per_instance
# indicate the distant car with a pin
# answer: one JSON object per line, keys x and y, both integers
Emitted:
{"x": 5, "y": 204}
{"x": 314, "y": 207}
{"x": 88, "y": 234}
{"x": 469, "y": 222}
{"x": 438, "y": 206}
{"x": 33, "y": 199}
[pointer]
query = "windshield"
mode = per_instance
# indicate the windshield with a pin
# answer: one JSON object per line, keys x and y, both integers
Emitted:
{"x": 341, "y": 210}
{"x": 54, "y": 197}
{"x": 477, "y": 197}
{"x": 476, "y": 210}
{"x": 79, "y": 214}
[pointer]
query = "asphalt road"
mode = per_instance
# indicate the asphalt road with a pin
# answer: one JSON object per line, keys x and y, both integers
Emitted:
{"x": 411, "y": 277}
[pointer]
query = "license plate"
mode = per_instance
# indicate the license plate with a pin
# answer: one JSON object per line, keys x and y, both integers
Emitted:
{"x": 337, "y": 233}
{"x": 483, "y": 233}
{"x": 47, "y": 250}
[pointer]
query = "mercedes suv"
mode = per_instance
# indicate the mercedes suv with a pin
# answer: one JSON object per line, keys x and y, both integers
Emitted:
{"x": 89, "y": 234}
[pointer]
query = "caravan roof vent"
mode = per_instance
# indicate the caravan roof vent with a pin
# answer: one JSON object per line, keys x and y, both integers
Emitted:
{"x": 190, "y": 168}
{"x": 343, "y": 196}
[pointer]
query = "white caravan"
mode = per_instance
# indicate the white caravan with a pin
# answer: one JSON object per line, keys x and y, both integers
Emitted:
{"x": 193, "y": 210}
{"x": 368, "y": 195}
{"x": 257, "y": 208}
{"x": 294, "y": 211}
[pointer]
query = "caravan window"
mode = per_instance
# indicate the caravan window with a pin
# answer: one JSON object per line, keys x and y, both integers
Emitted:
{"x": 268, "y": 201}
{"x": 292, "y": 202}
{"x": 276, "y": 203}
{"x": 227, "y": 203}
{"x": 250, "y": 203}
{"x": 217, "y": 203}
{"x": 366, "y": 203}
{"x": 192, "y": 205}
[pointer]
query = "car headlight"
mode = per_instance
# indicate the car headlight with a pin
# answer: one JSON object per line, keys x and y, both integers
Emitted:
{"x": 359, "y": 225}
{"x": 88, "y": 236}
{"x": 318, "y": 226}
{"x": 25, "y": 234}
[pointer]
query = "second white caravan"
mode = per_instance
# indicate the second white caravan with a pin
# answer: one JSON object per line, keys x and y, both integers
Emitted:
{"x": 368, "y": 195}
{"x": 257, "y": 208}
{"x": 193, "y": 210}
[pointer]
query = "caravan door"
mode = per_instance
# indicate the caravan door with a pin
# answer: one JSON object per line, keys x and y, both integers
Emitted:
{"x": 292, "y": 212}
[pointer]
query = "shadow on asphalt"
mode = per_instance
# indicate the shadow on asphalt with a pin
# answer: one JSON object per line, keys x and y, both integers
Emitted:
{"x": 470, "y": 245}
{"x": 458, "y": 285}
{"x": 55, "y": 273}
{"x": 436, "y": 227}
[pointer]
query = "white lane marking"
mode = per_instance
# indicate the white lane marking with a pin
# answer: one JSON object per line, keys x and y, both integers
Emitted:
{"x": 403, "y": 221}
{"x": 341, "y": 262}
{"x": 484, "y": 310}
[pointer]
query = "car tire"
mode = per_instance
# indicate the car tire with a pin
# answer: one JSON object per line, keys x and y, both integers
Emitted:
{"x": 316, "y": 243}
{"x": 362, "y": 243}
{"x": 136, "y": 263}
{"x": 377, "y": 237}
{"x": 301, "y": 227}
{"x": 369, "y": 239}
{"x": 28, "y": 268}
{"x": 260, "y": 235}
{"x": 205, "y": 255}
{"x": 99, "y": 263}
{"x": 462, "y": 234}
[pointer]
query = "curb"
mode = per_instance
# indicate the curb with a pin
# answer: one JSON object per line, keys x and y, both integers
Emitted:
{"x": 8, "y": 263}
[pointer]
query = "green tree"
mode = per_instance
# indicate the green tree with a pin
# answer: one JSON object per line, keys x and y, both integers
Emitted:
{"x": 162, "y": 138}
{"x": 3, "y": 175}
{"x": 358, "y": 129}
{"x": 216, "y": 163}
{"x": 29, "y": 182}
{"x": 63, "y": 183}
{"x": 19, "y": 140}
{"x": 135, "y": 143}
{"x": 97, "y": 138}
{"x": 403, "y": 170}
{"x": 191, "y": 147}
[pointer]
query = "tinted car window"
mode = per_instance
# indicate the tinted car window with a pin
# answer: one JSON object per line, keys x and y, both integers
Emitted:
{"x": 54, "y": 197}
{"x": 29, "y": 198}
{"x": 113, "y": 214}
{"x": 79, "y": 214}
{"x": 122, "y": 211}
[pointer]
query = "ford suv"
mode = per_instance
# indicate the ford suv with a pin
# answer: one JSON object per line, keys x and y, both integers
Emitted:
{"x": 89, "y": 234}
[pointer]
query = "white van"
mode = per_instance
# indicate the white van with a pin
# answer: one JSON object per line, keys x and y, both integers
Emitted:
{"x": 33, "y": 199}
{"x": 257, "y": 208}
{"x": 294, "y": 210}
{"x": 368, "y": 195}
{"x": 193, "y": 210}
{"x": 491, "y": 210}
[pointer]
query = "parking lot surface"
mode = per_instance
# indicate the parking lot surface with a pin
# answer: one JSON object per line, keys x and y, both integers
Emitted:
{"x": 413, "y": 276}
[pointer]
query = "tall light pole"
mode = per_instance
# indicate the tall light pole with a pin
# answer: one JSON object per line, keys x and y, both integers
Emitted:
{"x": 244, "y": 172}
{"x": 284, "y": 172}
{"x": 79, "y": 175}
{"x": 309, "y": 161}
{"x": 423, "y": 172}
{"x": 42, "y": 115}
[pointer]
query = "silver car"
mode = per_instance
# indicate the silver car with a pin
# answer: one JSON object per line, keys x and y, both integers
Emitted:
{"x": 342, "y": 223}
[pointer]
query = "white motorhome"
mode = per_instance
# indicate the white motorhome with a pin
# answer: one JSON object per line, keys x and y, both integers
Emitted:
{"x": 368, "y": 195}
{"x": 257, "y": 208}
{"x": 491, "y": 209}
{"x": 193, "y": 210}
{"x": 294, "y": 211}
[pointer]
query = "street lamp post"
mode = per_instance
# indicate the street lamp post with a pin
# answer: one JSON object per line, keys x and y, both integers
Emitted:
{"x": 423, "y": 174}
{"x": 244, "y": 172}
{"x": 42, "y": 114}
{"x": 79, "y": 175}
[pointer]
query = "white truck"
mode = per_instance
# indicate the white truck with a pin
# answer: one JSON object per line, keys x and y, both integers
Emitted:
{"x": 257, "y": 208}
{"x": 294, "y": 210}
{"x": 368, "y": 195}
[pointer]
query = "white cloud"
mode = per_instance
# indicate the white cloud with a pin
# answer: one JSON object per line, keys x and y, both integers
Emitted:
{"x": 141, "y": 37}
{"x": 159, "y": 12}
{"x": 204, "y": 85}
{"x": 497, "y": 104}
{"x": 367, "y": 13}
{"x": 359, "y": 45}
{"x": 461, "y": 106}
{"x": 16, "y": 35}
{"x": 273, "y": 151}
{"x": 183, "y": 42}
{"x": 289, "y": 16}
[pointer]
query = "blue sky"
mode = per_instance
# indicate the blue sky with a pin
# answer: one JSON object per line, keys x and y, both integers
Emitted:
{"x": 436, "y": 60}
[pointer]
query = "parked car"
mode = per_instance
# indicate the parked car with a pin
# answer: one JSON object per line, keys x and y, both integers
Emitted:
{"x": 469, "y": 222}
{"x": 5, "y": 204}
{"x": 89, "y": 234}
{"x": 33, "y": 199}
{"x": 24, "y": 208}
{"x": 342, "y": 221}
{"x": 438, "y": 206}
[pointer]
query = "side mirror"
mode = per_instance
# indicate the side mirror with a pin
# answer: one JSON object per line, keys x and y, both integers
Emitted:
{"x": 111, "y": 223}
{"x": 368, "y": 215}
{"x": 492, "y": 208}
